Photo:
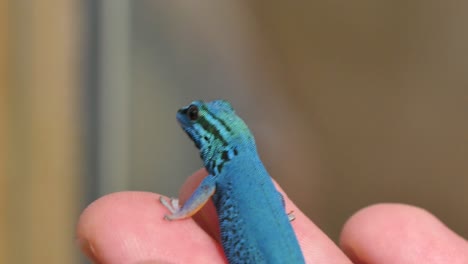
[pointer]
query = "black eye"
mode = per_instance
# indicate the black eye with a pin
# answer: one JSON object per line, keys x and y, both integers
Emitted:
{"x": 192, "y": 112}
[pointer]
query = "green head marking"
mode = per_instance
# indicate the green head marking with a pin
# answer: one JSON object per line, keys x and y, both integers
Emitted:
{"x": 217, "y": 132}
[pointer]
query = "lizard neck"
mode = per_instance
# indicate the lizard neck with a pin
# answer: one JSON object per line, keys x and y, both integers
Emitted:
{"x": 215, "y": 155}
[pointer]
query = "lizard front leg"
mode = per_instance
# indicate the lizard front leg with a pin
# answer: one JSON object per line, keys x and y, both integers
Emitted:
{"x": 196, "y": 201}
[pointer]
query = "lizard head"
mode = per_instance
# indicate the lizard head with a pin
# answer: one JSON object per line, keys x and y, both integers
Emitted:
{"x": 216, "y": 131}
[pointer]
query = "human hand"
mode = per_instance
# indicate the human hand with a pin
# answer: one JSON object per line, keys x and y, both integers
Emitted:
{"x": 128, "y": 227}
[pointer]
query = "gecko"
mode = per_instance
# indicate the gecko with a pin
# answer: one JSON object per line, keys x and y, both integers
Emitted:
{"x": 254, "y": 225}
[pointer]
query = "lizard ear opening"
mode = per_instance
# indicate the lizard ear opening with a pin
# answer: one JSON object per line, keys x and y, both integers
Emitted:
{"x": 192, "y": 112}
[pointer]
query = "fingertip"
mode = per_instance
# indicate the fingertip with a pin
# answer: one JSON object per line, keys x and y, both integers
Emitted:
{"x": 105, "y": 226}
{"x": 128, "y": 227}
{"x": 397, "y": 233}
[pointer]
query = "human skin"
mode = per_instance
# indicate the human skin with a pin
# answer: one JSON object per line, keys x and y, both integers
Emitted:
{"x": 128, "y": 227}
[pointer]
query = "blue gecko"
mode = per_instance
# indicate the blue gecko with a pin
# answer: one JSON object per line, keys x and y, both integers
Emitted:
{"x": 254, "y": 225}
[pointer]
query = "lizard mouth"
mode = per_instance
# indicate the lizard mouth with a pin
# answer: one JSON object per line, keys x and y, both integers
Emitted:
{"x": 181, "y": 117}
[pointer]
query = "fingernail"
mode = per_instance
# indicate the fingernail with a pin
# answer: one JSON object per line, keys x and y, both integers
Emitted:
{"x": 87, "y": 249}
{"x": 353, "y": 255}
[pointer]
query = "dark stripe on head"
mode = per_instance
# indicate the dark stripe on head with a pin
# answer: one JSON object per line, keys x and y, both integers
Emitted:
{"x": 228, "y": 128}
{"x": 210, "y": 128}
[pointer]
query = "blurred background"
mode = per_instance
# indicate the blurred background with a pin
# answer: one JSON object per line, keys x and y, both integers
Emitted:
{"x": 351, "y": 103}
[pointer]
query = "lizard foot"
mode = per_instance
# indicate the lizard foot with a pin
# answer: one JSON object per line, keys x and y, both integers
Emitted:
{"x": 172, "y": 205}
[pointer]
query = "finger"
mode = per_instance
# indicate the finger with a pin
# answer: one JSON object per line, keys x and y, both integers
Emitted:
{"x": 315, "y": 245}
{"x": 393, "y": 233}
{"x": 128, "y": 227}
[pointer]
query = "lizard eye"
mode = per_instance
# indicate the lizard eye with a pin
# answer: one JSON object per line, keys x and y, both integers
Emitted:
{"x": 192, "y": 112}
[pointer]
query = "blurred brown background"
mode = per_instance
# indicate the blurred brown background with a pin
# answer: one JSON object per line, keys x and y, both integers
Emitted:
{"x": 351, "y": 103}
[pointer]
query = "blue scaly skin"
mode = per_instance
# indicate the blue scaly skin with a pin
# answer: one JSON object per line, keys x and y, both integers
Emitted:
{"x": 254, "y": 225}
